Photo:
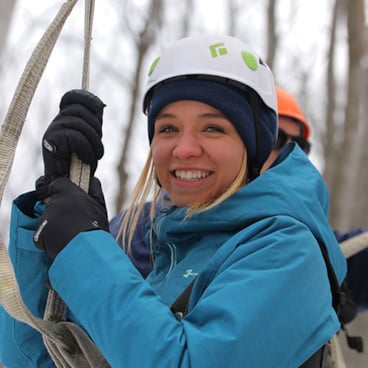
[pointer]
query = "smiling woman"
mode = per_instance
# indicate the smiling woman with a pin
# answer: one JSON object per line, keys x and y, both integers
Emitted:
{"x": 247, "y": 244}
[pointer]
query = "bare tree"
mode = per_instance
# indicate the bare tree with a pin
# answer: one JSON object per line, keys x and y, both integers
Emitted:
{"x": 331, "y": 148}
{"x": 6, "y": 11}
{"x": 185, "y": 28}
{"x": 233, "y": 12}
{"x": 142, "y": 43}
{"x": 342, "y": 204}
{"x": 272, "y": 36}
{"x": 359, "y": 216}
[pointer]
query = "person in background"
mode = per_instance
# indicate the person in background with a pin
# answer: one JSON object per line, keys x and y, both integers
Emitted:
{"x": 260, "y": 294}
{"x": 294, "y": 126}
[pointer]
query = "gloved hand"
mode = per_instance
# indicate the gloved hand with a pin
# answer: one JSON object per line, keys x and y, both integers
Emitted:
{"x": 69, "y": 212}
{"x": 76, "y": 129}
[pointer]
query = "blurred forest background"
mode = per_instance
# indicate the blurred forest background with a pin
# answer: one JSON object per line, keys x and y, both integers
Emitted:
{"x": 317, "y": 50}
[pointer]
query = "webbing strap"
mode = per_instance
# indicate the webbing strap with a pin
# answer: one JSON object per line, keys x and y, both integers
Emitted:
{"x": 67, "y": 344}
{"x": 318, "y": 359}
{"x": 79, "y": 172}
{"x": 9, "y": 293}
{"x": 354, "y": 245}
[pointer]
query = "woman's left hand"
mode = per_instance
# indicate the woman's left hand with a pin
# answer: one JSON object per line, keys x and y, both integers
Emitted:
{"x": 70, "y": 211}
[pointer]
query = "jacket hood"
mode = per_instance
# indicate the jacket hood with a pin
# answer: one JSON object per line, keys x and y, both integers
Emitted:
{"x": 292, "y": 187}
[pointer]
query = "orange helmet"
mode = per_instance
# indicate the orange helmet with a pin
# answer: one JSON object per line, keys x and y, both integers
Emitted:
{"x": 288, "y": 107}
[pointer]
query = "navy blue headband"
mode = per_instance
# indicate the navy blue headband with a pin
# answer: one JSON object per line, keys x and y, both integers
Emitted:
{"x": 232, "y": 101}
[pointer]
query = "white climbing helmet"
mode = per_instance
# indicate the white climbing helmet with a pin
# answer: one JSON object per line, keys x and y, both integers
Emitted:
{"x": 213, "y": 56}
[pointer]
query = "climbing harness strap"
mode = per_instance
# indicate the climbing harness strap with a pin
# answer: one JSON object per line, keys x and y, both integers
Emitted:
{"x": 354, "y": 245}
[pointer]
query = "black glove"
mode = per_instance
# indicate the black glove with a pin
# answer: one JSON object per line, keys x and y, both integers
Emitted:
{"x": 69, "y": 212}
{"x": 76, "y": 129}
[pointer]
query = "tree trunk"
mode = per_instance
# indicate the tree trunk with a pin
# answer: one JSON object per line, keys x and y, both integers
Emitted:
{"x": 331, "y": 151}
{"x": 145, "y": 39}
{"x": 272, "y": 39}
{"x": 359, "y": 216}
{"x": 6, "y": 12}
{"x": 344, "y": 197}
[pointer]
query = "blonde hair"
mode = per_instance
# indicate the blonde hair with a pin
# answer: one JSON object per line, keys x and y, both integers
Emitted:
{"x": 148, "y": 182}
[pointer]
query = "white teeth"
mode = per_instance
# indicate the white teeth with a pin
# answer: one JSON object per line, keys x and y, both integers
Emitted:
{"x": 191, "y": 175}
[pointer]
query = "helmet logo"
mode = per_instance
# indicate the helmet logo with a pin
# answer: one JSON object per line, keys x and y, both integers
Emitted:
{"x": 250, "y": 60}
{"x": 218, "y": 49}
{"x": 153, "y": 66}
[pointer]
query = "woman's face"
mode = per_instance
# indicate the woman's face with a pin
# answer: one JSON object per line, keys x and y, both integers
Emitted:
{"x": 197, "y": 152}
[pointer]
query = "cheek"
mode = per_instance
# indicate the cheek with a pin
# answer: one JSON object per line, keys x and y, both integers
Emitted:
{"x": 160, "y": 157}
{"x": 231, "y": 163}
{"x": 158, "y": 150}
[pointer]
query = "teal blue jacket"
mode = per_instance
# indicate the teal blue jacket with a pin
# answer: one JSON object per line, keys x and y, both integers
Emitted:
{"x": 261, "y": 299}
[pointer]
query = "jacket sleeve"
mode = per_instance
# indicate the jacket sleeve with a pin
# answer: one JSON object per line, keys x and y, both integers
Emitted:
{"x": 20, "y": 345}
{"x": 265, "y": 303}
{"x": 357, "y": 277}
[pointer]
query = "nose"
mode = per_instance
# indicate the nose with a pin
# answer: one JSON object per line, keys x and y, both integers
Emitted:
{"x": 188, "y": 145}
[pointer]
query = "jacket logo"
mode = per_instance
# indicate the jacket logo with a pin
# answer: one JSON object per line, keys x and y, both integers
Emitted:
{"x": 189, "y": 273}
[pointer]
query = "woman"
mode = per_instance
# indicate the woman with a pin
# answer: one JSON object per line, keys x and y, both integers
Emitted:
{"x": 261, "y": 295}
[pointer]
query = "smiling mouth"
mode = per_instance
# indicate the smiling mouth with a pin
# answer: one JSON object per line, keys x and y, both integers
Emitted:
{"x": 191, "y": 175}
